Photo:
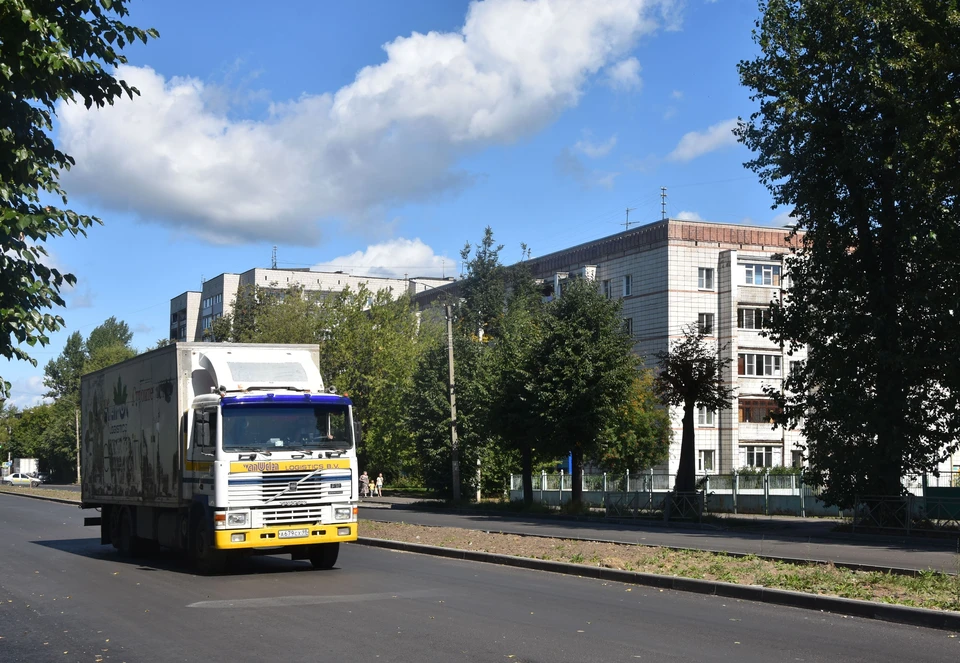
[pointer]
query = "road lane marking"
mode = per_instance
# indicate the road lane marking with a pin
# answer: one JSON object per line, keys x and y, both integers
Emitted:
{"x": 284, "y": 601}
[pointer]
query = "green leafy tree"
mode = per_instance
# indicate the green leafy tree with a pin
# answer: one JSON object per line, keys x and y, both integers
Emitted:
{"x": 428, "y": 412}
{"x": 49, "y": 52}
{"x": 639, "y": 437}
{"x": 108, "y": 356}
{"x": 690, "y": 376}
{"x": 62, "y": 375}
{"x": 370, "y": 346}
{"x": 858, "y": 131}
{"x": 585, "y": 369}
{"x": 483, "y": 289}
{"x": 513, "y": 417}
{"x": 110, "y": 332}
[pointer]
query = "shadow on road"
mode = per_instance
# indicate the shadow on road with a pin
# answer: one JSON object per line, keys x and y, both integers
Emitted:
{"x": 174, "y": 561}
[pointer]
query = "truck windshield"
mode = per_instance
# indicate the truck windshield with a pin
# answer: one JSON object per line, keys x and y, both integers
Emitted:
{"x": 274, "y": 427}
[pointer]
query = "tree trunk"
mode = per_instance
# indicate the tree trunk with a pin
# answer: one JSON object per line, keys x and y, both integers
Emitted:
{"x": 527, "y": 471}
{"x": 687, "y": 472}
{"x": 576, "y": 496}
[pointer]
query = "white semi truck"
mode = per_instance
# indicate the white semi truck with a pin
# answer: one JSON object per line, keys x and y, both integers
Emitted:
{"x": 220, "y": 449}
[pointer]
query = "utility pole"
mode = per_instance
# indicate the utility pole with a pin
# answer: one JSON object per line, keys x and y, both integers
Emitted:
{"x": 626, "y": 225}
{"x": 454, "y": 444}
{"x": 76, "y": 421}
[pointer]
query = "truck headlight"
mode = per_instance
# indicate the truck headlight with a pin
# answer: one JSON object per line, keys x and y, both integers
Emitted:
{"x": 342, "y": 513}
{"x": 238, "y": 519}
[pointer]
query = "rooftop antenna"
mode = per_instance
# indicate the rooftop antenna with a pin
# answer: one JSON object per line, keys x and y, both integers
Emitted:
{"x": 626, "y": 224}
{"x": 273, "y": 258}
{"x": 663, "y": 202}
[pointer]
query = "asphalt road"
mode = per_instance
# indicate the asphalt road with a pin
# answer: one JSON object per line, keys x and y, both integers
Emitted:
{"x": 769, "y": 540}
{"x": 63, "y": 597}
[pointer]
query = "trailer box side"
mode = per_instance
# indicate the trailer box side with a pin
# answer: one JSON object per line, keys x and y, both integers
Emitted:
{"x": 130, "y": 443}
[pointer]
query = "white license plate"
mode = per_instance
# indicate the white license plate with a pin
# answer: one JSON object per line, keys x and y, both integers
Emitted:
{"x": 293, "y": 533}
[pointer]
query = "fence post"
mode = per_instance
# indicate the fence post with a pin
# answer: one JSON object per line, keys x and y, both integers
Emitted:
{"x": 736, "y": 487}
{"x": 803, "y": 495}
{"x": 543, "y": 482}
{"x": 560, "y": 498}
{"x": 766, "y": 492}
{"x": 650, "y": 487}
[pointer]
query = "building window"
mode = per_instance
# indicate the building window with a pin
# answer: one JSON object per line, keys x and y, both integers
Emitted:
{"x": 628, "y": 327}
{"x": 796, "y": 458}
{"x": 627, "y": 285}
{"x": 706, "y": 417}
{"x": 705, "y": 278}
{"x": 759, "y": 456}
{"x": 795, "y": 366}
{"x": 757, "y": 364}
{"x": 753, "y": 318}
{"x": 757, "y": 410}
{"x": 705, "y": 461}
{"x": 762, "y": 274}
{"x": 705, "y": 323}
{"x": 606, "y": 288}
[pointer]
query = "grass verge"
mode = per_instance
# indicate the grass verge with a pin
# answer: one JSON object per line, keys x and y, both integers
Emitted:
{"x": 929, "y": 589}
{"x": 43, "y": 491}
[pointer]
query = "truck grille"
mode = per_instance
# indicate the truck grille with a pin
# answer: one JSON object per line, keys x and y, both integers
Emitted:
{"x": 281, "y": 489}
{"x": 304, "y": 514}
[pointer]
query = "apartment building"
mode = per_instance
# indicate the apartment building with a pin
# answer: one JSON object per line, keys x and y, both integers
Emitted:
{"x": 722, "y": 277}
{"x": 192, "y": 313}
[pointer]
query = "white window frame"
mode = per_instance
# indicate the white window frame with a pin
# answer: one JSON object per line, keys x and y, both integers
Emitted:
{"x": 705, "y": 278}
{"x": 628, "y": 326}
{"x": 627, "y": 285}
{"x": 762, "y": 274}
{"x": 747, "y": 318}
{"x": 757, "y": 364}
{"x": 606, "y": 288}
{"x": 706, "y": 418}
{"x": 702, "y": 455}
{"x": 705, "y": 323}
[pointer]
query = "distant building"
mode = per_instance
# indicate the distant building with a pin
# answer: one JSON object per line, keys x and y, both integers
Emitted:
{"x": 671, "y": 274}
{"x": 192, "y": 313}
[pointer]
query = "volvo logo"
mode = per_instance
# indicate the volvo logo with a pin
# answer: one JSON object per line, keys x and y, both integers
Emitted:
{"x": 292, "y": 487}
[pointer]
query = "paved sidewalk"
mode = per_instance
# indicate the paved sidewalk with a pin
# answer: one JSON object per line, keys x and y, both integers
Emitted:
{"x": 792, "y": 538}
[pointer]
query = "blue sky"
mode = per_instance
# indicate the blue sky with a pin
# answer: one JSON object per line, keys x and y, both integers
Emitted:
{"x": 379, "y": 137}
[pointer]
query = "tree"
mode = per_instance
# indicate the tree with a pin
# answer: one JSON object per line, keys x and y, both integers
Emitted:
{"x": 691, "y": 376}
{"x": 858, "y": 131}
{"x": 110, "y": 332}
{"x": 49, "y": 53}
{"x": 512, "y": 414}
{"x": 62, "y": 375}
{"x": 483, "y": 289}
{"x": 639, "y": 437}
{"x": 585, "y": 368}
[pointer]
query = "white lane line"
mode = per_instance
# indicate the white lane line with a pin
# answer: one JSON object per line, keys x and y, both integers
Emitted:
{"x": 283, "y": 601}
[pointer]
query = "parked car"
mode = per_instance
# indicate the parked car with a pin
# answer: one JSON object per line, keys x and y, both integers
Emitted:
{"x": 21, "y": 479}
{"x": 43, "y": 476}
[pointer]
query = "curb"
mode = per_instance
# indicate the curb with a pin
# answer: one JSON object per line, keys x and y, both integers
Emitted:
{"x": 855, "y": 607}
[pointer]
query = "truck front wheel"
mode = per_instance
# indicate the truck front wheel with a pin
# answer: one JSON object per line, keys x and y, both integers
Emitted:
{"x": 324, "y": 555}
{"x": 205, "y": 557}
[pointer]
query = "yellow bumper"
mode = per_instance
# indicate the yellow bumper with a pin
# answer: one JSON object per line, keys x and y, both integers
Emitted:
{"x": 269, "y": 537}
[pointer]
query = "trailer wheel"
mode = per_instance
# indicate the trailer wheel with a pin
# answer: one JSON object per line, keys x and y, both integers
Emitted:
{"x": 205, "y": 557}
{"x": 127, "y": 542}
{"x": 324, "y": 555}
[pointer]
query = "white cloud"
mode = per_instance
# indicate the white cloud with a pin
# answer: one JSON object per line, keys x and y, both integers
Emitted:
{"x": 393, "y": 135}
{"x": 625, "y": 75}
{"x": 689, "y": 216}
{"x": 595, "y": 150}
{"x": 783, "y": 219}
{"x": 570, "y": 164}
{"x": 396, "y": 258}
{"x": 695, "y": 143}
{"x": 27, "y": 391}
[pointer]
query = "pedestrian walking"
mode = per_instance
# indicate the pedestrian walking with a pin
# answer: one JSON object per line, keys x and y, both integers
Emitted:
{"x": 380, "y": 485}
{"x": 364, "y": 485}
